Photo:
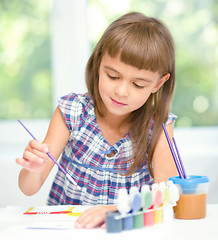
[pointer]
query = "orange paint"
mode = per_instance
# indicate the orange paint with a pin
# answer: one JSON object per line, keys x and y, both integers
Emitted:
{"x": 191, "y": 206}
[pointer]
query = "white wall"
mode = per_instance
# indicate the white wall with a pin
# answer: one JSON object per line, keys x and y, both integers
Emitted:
{"x": 198, "y": 147}
{"x": 70, "y": 47}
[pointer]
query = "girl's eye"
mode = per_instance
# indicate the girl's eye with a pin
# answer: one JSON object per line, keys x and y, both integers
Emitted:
{"x": 138, "y": 86}
{"x": 112, "y": 77}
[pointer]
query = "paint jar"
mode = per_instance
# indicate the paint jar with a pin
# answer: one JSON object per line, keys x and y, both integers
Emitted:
{"x": 158, "y": 215}
{"x": 113, "y": 222}
{"x": 148, "y": 217}
{"x": 193, "y": 197}
{"x": 127, "y": 222}
{"x": 138, "y": 220}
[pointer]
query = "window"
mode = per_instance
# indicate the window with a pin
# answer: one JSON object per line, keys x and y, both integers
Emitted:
{"x": 25, "y": 60}
{"x": 39, "y": 35}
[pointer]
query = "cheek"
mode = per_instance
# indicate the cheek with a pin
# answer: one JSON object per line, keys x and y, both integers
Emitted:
{"x": 140, "y": 100}
{"x": 103, "y": 87}
{"x": 100, "y": 85}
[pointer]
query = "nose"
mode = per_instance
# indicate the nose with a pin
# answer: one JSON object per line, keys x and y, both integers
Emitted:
{"x": 121, "y": 89}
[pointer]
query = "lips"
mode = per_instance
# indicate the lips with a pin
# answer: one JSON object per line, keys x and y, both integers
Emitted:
{"x": 117, "y": 103}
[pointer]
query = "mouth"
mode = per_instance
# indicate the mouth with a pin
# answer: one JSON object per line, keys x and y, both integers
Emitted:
{"x": 118, "y": 103}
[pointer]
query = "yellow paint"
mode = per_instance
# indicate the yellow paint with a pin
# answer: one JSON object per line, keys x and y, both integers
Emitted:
{"x": 77, "y": 214}
{"x": 70, "y": 209}
{"x": 158, "y": 215}
{"x": 30, "y": 209}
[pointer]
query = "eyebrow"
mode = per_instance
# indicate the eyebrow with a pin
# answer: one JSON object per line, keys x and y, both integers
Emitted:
{"x": 137, "y": 78}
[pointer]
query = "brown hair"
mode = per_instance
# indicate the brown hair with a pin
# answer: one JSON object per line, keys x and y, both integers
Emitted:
{"x": 144, "y": 43}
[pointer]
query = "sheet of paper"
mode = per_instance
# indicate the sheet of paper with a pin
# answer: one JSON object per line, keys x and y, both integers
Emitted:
{"x": 54, "y": 225}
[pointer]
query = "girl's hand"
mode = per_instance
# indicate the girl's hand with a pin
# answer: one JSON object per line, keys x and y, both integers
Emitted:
{"x": 34, "y": 156}
{"x": 94, "y": 216}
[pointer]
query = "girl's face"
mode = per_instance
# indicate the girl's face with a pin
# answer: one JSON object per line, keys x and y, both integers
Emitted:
{"x": 124, "y": 88}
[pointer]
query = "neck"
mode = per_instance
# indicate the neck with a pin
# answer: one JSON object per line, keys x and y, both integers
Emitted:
{"x": 120, "y": 123}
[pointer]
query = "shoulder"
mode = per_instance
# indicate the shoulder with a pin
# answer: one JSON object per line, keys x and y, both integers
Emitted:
{"x": 75, "y": 102}
{"x": 171, "y": 119}
{"x": 74, "y": 99}
{"x": 75, "y": 106}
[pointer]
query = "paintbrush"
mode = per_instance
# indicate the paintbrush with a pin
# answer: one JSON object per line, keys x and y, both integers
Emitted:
{"x": 50, "y": 156}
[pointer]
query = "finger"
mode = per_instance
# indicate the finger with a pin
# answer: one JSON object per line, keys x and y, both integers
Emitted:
{"x": 41, "y": 147}
{"x": 90, "y": 221}
{"x": 83, "y": 219}
{"x": 91, "y": 218}
{"x": 89, "y": 212}
{"x": 33, "y": 158}
{"x": 30, "y": 166}
{"x": 27, "y": 164}
{"x": 103, "y": 226}
{"x": 31, "y": 148}
{"x": 21, "y": 161}
{"x": 95, "y": 221}
{"x": 94, "y": 216}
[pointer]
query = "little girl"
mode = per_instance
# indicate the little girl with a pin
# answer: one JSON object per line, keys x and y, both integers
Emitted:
{"x": 110, "y": 137}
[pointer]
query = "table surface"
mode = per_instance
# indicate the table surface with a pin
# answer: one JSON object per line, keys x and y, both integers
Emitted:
{"x": 16, "y": 225}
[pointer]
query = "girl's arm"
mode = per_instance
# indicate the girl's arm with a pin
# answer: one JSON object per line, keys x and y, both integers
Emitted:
{"x": 35, "y": 162}
{"x": 163, "y": 162}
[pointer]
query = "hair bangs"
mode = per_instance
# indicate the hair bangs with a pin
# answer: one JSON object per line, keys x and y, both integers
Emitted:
{"x": 140, "y": 47}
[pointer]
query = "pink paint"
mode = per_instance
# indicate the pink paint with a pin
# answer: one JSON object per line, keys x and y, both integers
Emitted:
{"x": 157, "y": 195}
{"x": 148, "y": 217}
{"x": 158, "y": 198}
{"x": 157, "y": 202}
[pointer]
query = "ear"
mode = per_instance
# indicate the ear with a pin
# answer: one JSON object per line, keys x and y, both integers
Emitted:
{"x": 161, "y": 82}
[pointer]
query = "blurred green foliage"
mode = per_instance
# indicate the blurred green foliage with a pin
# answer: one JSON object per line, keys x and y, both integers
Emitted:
{"x": 25, "y": 62}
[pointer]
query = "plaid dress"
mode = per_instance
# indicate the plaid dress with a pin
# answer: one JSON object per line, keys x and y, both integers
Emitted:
{"x": 86, "y": 159}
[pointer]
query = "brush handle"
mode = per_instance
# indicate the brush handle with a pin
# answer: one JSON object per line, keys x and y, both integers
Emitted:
{"x": 172, "y": 151}
{"x": 27, "y": 130}
{"x": 180, "y": 160}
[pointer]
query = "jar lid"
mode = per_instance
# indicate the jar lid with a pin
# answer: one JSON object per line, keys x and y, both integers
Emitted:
{"x": 189, "y": 184}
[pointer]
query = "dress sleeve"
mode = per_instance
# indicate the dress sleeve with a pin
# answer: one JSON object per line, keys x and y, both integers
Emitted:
{"x": 71, "y": 109}
{"x": 171, "y": 119}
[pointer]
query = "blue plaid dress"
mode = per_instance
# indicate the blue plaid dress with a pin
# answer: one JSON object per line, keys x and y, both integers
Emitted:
{"x": 85, "y": 158}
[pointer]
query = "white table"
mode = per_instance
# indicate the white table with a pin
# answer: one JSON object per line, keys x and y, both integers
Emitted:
{"x": 19, "y": 226}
